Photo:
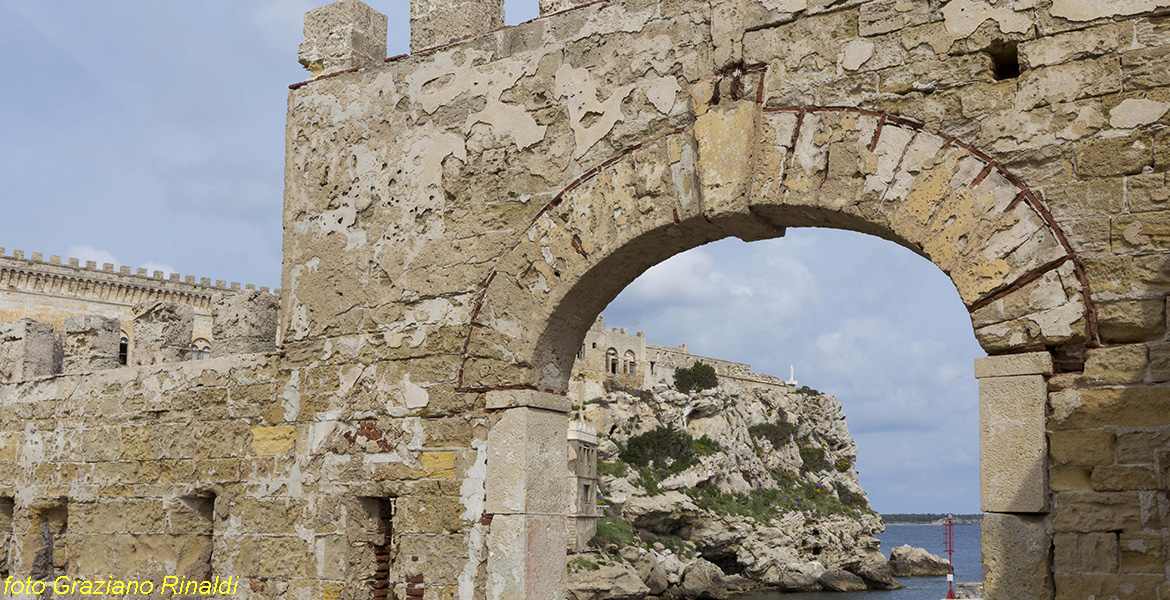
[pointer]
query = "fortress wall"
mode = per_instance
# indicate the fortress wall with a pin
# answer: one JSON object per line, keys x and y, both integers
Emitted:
{"x": 231, "y": 466}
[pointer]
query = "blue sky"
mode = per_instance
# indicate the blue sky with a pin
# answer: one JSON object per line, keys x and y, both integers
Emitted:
{"x": 151, "y": 134}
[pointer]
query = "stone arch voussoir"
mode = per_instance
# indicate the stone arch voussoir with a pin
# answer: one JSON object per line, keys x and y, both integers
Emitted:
{"x": 742, "y": 169}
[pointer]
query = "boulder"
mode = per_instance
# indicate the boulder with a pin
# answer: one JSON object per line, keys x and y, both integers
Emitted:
{"x": 653, "y": 573}
{"x": 661, "y": 514}
{"x": 875, "y": 570}
{"x": 840, "y": 580}
{"x": 702, "y": 579}
{"x": 908, "y": 561}
{"x": 609, "y": 582}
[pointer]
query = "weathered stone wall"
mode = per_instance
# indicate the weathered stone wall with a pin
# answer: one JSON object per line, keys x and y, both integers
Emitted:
{"x": 456, "y": 219}
{"x": 53, "y": 291}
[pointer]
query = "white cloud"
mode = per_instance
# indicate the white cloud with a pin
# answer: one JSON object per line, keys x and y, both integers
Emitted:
{"x": 151, "y": 267}
{"x": 85, "y": 253}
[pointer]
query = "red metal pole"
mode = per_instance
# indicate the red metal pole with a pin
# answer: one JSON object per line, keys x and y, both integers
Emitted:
{"x": 949, "y": 548}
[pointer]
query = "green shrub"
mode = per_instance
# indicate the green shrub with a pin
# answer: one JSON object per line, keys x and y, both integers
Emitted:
{"x": 699, "y": 376}
{"x": 613, "y": 529}
{"x": 843, "y": 465}
{"x": 778, "y": 434}
{"x": 814, "y": 458}
{"x": 581, "y": 563}
{"x": 648, "y": 480}
{"x": 667, "y": 449}
{"x": 613, "y": 469}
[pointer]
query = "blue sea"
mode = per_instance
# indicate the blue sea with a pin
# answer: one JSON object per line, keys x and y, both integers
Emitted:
{"x": 968, "y": 566}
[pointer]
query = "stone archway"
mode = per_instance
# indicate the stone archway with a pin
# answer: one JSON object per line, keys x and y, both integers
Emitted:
{"x": 751, "y": 171}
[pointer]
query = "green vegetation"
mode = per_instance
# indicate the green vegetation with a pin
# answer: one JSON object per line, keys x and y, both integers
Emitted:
{"x": 699, "y": 376}
{"x": 612, "y": 386}
{"x": 667, "y": 450}
{"x": 778, "y": 434}
{"x": 764, "y": 505}
{"x": 613, "y": 529}
{"x": 582, "y": 563}
{"x": 814, "y": 458}
{"x": 648, "y": 480}
{"x": 612, "y": 469}
{"x": 807, "y": 391}
{"x": 843, "y": 465}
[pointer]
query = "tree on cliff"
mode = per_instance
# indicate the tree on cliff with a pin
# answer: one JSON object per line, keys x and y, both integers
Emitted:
{"x": 700, "y": 376}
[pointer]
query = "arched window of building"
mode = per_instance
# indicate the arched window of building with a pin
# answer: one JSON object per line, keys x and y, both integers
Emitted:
{"x": 124, "y": 350}
{"x": 611, "y": 361}
{"x": 200, "y": 349}
{"x": 631, "y": 363}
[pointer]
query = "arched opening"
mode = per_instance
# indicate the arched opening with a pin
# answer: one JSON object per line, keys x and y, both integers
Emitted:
{"x": 611, "y": 361}
{"x": 200, "y": 349}
{"x": 1008, "y": 261}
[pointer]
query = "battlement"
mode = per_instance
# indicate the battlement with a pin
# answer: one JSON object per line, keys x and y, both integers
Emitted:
{"x": 35, "y": 261}
{"x": 348, "y": 35}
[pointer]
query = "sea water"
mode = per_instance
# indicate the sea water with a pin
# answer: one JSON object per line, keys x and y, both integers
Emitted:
{"x": 968, "y": 566}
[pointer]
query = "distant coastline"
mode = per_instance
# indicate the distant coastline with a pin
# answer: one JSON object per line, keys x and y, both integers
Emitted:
{"x": 930, "y": 519}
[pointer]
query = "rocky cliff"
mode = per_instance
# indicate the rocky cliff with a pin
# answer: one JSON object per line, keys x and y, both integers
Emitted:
{"x": 724, "y": 490}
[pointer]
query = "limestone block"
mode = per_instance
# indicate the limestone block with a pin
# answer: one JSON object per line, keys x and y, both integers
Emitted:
{"x": 1150, "y": 192}
{"x": 1016, "y": 554}
{"x": 1160, "y": 362}
{"x": 1031, "y": 363}
{"x": 27, "y": 350}
{"x": 1142, "y": 553}
{"x": 1124, "y": 478}
{"x": 243, "y": 322}
{"x": 1146, "y": 68}
{"x": 436, "y": 22}
{"x": 1125, "y": 321}
{"x": 91, "y": 343}
{"x": 1093, "y": 447}
{"x": 500, "y": 399}
{"x": 1085, "y": 552}
{"x": 1142, "y": 232}
{"x": 1069, "y": 81}
{"x": 524, "y": 446}
{"x": 1141, "y": 447}
{"x": 884, "y": 16}
{"x": 1088, "y": 512}
{"x": 1094, "y": 41}
{"x": 1117, "y": 365}
{"x": 162, "y": 333}
{"x": 1111, "y": 407}
{"x": 526, "y": 557}
{"x": 1115, "y": 155}
{"x": 1013, "y": 448}
{"x": 1070, "y": 480}
{"x": 1112, "y": 586}
{"x": 343, "y": 35}
{"x": 1086, "y": 198}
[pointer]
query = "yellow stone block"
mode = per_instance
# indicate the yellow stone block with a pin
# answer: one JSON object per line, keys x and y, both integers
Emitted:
{"x": 331, "y": 591}
{"x": 438, "y": 465}
{"x": 273, "y": 441}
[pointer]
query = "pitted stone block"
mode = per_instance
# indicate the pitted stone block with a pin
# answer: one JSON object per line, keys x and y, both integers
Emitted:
{"x": 91, "y": 343}
{"x": 548, "y": 7}
{"x": 28, "y": 349}
{"x": 435, "y": 22}
{"x": 1017, "y": 551}
{"x": 1013, "y": 447}
{"x": 343, "y": 35}
{"x": 243, "y": 322}
{"x": 162, "y": 333}
{"x": 524, "y": 447}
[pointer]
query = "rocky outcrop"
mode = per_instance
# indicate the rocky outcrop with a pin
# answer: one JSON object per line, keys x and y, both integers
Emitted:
{"x": 751, "y": 488}
{"x": 617, "y": 581}
{"x": 840, "y": 580}
{"x": 908, "y": 561}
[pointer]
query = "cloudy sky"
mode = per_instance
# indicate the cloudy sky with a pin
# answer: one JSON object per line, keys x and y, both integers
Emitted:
{"x": 151, "y": 134}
